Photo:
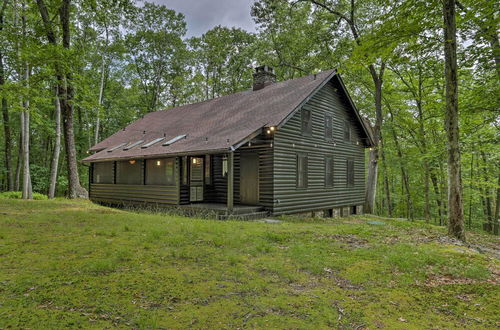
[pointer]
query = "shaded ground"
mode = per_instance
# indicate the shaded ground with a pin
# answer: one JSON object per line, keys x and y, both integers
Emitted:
{"x": 74, "y": 264}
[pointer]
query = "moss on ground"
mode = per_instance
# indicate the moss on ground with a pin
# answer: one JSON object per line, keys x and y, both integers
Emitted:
{"x": 75, "y": 264}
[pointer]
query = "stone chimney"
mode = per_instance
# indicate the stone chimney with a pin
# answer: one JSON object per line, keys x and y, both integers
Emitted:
{"x": 263, "y": 76}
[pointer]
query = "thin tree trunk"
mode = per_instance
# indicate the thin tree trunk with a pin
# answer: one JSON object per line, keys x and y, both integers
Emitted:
{"x": 17, "y": 182}
{"x": 25, "y": 119}
{"x": 57, "y": 147}
{"x": 386, "y": 178}
{"x": 470, "y": 188}
{"x": 455, "y": 202}
{"x": 497, "y": 203}
{"x": 98, "y": 112}
{"x": 25, "y": 124}
{"x": 101, "y": 89}
{"x": 404, "y": 172}
{"x": 435, "y": 185}
{"x": 488, "y": 211}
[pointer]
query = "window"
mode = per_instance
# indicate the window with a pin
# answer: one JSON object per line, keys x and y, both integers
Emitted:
{"x": 160, "y": 171}
{"x": 102, "y": 172}
{"x": 329, "y": 171}
{"x": 328, "y": 127}
{"x": 350, "y": 172}
{"x": 184, "y": 170}
{"x": 306, "y": 122}
{"x": 170, "y": 171}
{"x": 208, "y": 170}
{"x": 301, "y": 171}
{"x": 129, "y": 172}
{"x": 347, "y": 130}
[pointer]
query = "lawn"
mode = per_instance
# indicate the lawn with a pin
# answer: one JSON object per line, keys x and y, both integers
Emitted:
{"x": 75, "y": 264}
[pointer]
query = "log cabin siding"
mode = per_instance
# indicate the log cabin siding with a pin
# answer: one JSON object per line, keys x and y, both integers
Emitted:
{"x": 137, "y": 193}
{"x": 289, "y": 141}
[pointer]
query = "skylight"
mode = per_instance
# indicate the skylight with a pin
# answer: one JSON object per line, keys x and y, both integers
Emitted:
{"x": 149, "y": 144}
{"x": 175, "y": 139}
{"x": 130, "y": 146}
{"x": 118, "y": 146}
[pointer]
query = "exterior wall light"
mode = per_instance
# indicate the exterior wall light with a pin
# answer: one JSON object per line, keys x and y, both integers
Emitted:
{"x": 158, "y": 163}
{"x": 132, "y": 161}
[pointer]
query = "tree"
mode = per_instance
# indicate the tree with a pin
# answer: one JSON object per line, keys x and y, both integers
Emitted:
{"x": 455, "y": 203}
{"x": 65, "y": 88}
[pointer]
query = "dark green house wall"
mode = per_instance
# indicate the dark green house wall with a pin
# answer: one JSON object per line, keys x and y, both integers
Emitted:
{"x": 289, "y": 141}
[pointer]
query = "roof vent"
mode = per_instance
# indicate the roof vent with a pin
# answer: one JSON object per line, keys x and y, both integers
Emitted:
{"x": 263, "y": 76}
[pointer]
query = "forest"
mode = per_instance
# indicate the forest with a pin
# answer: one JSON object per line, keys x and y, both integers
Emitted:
{"x": 425, "y": 74}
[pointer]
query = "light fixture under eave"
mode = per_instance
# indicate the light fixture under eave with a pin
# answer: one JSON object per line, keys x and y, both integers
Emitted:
{"x": 195, "y": 161}
{"x": 132, "y": 161}
{"x": 158, "y": 163}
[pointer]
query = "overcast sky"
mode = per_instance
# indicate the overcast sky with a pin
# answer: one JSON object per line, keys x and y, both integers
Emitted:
{"x": 202, "y": 15}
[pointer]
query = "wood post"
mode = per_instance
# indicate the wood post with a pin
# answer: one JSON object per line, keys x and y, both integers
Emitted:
{"x": 230, "y": 182}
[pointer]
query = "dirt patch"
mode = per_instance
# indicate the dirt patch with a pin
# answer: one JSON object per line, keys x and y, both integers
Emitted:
{"x": 350, "y": 240}
{"x": 438, "y": 280}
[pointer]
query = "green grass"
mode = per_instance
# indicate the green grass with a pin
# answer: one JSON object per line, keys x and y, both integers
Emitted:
{"x": 73, "y": 264}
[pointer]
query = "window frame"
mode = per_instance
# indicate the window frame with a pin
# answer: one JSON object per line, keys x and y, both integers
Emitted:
{"x": 329, "y": 165}
{"x": 328, "y": 128}
{"x": 304, "y": 182}
{"x": 347, "y": 130}
{"x": 306, "y": 125}
{"x": 350, "y": 170}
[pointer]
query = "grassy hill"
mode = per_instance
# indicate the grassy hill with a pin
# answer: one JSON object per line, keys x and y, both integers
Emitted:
{"x": 75, "y": 264}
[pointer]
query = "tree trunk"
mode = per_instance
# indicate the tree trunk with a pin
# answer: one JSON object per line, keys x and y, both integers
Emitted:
{"x": 57, "y": 147}
{"x": 64, "y": 80}
{"x": 386, "y": 179}
{"x": 98, "y": 112}
{"x": 497, "y": 203}
{"x": 488, "y": 211}
{"x": 435, "y": 185}
{"x": 5, "y": 114}
{"x": 25, "y": 124}
{"x": 17, "y": 182}
{"x": 371, "y": 182}
{"x": 455, "y": 203}
{"x": 404, "y": 172}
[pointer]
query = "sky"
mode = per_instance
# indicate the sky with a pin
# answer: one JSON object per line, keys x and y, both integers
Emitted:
{"x": 202, "y": 15}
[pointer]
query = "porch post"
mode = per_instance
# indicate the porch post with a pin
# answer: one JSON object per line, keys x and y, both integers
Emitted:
{"x": 230, "y": 182}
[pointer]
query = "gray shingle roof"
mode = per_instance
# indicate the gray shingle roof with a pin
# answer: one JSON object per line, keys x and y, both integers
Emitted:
{"x": 213, "y": 125}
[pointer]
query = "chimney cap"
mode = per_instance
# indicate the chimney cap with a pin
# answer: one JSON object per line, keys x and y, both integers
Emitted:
{"x": 264, "y": 68}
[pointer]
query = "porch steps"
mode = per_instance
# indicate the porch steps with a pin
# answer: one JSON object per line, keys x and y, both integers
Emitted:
{"x": 244, "y": 216}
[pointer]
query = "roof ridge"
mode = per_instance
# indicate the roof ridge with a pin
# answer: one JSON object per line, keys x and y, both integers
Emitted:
{"x": 244, "y": 91}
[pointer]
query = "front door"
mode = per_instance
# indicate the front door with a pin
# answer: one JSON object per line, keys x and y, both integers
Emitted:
{"x": 249, "y": 178}
{"x": 196, "y": 179}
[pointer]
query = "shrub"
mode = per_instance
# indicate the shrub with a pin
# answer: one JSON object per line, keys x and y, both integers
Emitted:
{"x": 19, "y": 195}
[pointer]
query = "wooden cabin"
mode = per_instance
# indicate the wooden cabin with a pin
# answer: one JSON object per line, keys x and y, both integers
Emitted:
{"x": 283, "y": 147}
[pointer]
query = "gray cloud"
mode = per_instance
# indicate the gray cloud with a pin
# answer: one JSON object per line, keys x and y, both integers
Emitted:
{"x": 202, "y": 15}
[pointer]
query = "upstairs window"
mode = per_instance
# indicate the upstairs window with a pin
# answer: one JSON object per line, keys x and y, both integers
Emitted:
{"x": 350, "y": 172}
{"x": 306, "y": 122}
{"x": 328, "y": 127}
{"x": 301, "y": 171}
{"x": 329, "y": 171}
{"x": 347, "y": 131}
